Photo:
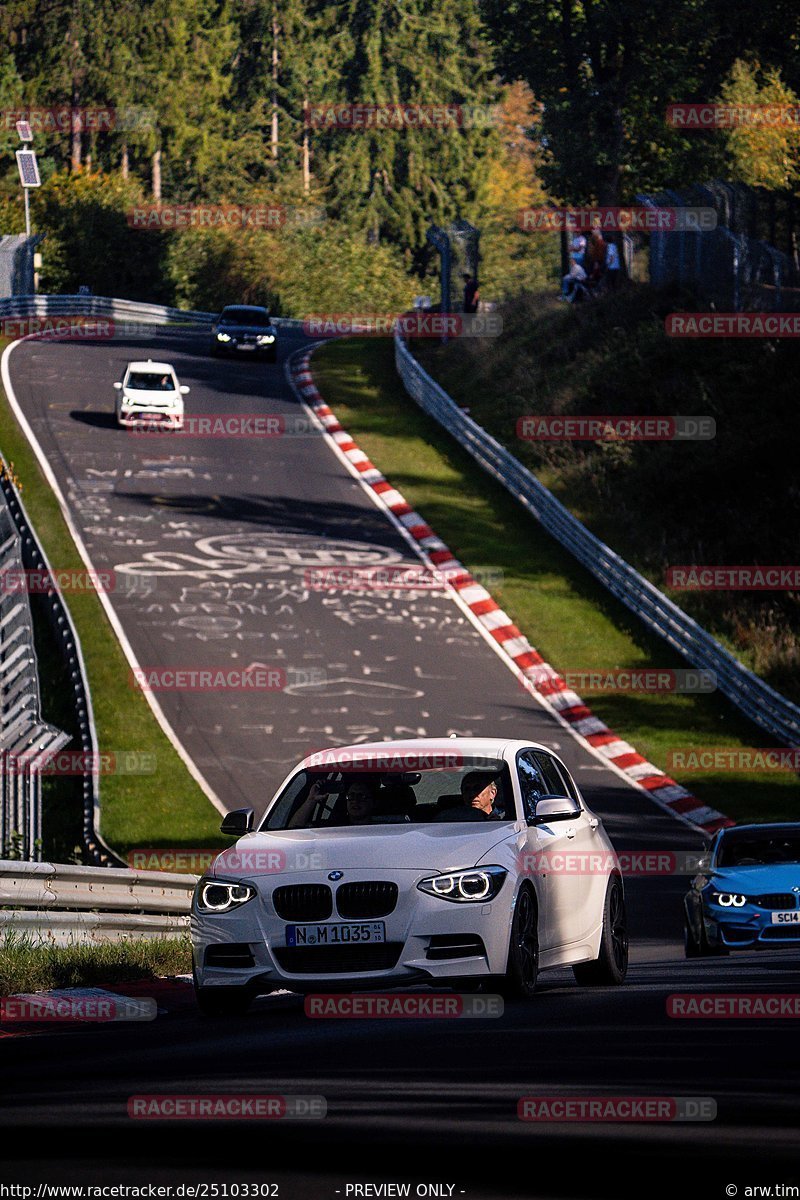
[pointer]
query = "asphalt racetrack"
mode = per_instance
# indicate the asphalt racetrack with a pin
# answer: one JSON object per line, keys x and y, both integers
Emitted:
{"x": 214, "y": 542}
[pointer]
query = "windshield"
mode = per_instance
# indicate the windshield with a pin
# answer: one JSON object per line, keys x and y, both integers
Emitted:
{"x": 759, "y": 848}
{"x": 258, "y": 317}
{"x": 324, "y": 799}
{"x": 150, "y": 381}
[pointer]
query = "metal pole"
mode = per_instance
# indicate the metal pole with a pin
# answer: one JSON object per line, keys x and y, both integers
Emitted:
{"x": 27, "y": 213}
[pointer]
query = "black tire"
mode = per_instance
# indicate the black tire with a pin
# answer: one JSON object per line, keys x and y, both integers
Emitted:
{"x": 700, "y": 947}
{"x": 611, "y": 967}
{"x": 519, "y": 981}
{"x": 690, "y": 946}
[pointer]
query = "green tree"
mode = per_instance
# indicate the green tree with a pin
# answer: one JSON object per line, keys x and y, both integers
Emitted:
{"x": 764, "y": 156}
{"x": 605, "y": 71}
{"x": 391, "y": 183}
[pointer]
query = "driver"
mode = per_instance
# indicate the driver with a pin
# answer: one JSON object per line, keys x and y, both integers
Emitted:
{"x": 360, "y": 802}
{"x": 479, "y": 791}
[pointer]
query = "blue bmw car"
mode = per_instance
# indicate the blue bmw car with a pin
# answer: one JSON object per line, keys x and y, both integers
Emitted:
{"x": 749, "y": 894}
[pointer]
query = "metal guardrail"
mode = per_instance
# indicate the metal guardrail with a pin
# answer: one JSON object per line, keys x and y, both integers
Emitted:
{"x": 119, "y": 310}
{"x": 751, "y": 695}
{"x": 56, "y": 903}
{"x": 34, "y": 558}
{"x": 26, "y": 741}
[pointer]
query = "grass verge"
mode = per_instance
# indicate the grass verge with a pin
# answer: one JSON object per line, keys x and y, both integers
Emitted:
{"x": 28, "y": 967}
{"x": 565, "y": 613}
{"x": 730, "y": 499}
{"x": 165, "y": 808}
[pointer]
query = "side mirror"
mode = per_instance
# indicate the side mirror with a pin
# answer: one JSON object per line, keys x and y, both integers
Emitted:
{"x": 238, "y": 823}
{"x": 554, "y": 808}
{"x": 118, "y": 386}
{"x": 184, "y": 390}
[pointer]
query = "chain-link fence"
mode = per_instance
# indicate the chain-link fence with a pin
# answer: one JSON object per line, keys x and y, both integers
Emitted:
{"x": 727, "y": 266}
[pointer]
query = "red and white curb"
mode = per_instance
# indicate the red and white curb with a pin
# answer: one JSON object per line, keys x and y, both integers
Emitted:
{"x": 539, "y": 677}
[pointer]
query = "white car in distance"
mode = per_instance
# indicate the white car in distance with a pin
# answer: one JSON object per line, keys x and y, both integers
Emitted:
{"x": 149, "y": 394}
{"x": 434, "y": 861}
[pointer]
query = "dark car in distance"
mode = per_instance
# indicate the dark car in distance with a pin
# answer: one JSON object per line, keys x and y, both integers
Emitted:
{"x": 244, "y": 329}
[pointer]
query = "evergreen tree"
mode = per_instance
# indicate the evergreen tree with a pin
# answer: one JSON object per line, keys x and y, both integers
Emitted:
{"x": 391, "y": 183}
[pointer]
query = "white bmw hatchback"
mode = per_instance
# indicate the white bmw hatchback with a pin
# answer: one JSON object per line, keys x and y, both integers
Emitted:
{"x": 149, "y": 393}
{"x": 453, "y": 861}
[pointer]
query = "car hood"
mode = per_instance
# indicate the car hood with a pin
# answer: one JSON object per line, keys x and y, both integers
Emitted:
{"x": 754, "y": 881}
{"x": 434, "y": 847}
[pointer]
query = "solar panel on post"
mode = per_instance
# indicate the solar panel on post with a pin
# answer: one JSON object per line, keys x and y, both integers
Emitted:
{"x": 24, "y": 130}
{"x": 28, "y": 169}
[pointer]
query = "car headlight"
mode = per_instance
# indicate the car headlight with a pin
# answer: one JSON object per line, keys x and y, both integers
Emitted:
{"x": 265, "y": 339}
{"x": 472, "y": 886}
{"x": 219, "y": 896}
{"x": 223, "y": 337}
{"x": 729, "y": 899}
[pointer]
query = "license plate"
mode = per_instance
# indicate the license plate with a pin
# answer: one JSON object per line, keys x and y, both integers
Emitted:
{"x": 246, "y": 346}
{"x": 351, "y": 934}
{"x": 786, "y": 918}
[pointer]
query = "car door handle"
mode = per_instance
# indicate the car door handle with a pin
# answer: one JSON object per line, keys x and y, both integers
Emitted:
{"x": 594, "y": 823}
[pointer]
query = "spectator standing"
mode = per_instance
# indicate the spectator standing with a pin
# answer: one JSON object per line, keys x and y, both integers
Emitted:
{"x": 471, "y": 293}
{"x": 613, "y": 266}
{"x": 577, "y": 272}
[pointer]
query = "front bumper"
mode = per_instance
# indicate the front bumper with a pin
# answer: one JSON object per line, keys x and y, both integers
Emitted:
{"x": 427, "y": 939}
{"x": 748, "y": 926}
{"x": 245, "y": 348}
{"x": 134, "y": 418}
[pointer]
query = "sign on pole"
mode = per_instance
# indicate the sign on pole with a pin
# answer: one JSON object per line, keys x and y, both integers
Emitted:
{"x": 28, "y": 169}
{"x": 24, "y": 130}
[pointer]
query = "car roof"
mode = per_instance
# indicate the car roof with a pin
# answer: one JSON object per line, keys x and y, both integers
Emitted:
{"x": 158, "y": 367}
{"x": 254, "y": 308}
{"x": 490, "y": 748}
